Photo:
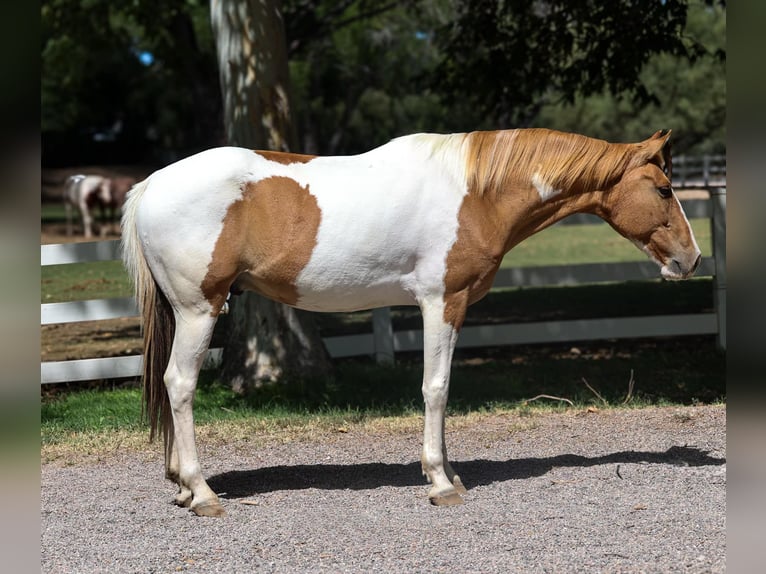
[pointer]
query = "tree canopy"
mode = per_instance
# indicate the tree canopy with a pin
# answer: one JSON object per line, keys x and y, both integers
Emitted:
{"x": 506, "y": 55}
{"x": 364, "y": 71}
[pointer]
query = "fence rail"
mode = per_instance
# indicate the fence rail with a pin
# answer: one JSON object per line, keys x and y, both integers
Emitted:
{"x": 384, "y": 342}
{"x": 699, "y": 171}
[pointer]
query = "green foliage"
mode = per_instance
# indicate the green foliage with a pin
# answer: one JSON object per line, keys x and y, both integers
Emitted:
{"x": 92, "y": 76}
{"x": 363, "y": 83}
{"x": 82, "y": 48}
{"x": 364, "y": 71}
{"x": 92, "y": 410}
{"x": 691, "y": 96}
{"x": 505, "y": 56}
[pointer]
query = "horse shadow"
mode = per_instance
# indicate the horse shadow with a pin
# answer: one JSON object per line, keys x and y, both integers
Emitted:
{"x": 481, "y": 472}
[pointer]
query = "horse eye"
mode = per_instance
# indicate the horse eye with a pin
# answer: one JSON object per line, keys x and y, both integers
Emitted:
{"x": 665, "y": 191}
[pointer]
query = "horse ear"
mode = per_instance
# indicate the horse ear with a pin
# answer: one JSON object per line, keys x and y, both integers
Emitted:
{"x": 656, "y": 149}
{"x": 661, "y": 134}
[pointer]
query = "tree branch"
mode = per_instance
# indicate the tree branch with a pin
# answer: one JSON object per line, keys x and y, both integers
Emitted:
{"x": 548, "y": 397}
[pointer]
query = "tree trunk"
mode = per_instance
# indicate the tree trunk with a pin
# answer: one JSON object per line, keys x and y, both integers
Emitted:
{"x": 265, "y": 340}
{"x": 252, "y": 64}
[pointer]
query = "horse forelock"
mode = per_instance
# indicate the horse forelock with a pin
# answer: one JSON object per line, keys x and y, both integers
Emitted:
{"x": 546, "y": 159}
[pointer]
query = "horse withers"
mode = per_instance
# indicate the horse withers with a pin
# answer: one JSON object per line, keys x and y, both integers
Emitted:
{"x": 423, "y": 220}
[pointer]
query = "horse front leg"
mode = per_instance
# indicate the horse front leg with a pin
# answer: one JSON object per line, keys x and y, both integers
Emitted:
{"x": 182, "y": 465}
{"x": 87, "y": 220}
{"x": 440, "y": 333}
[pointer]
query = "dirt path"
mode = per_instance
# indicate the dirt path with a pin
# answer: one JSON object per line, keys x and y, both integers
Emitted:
{"x": 607, "y": 491}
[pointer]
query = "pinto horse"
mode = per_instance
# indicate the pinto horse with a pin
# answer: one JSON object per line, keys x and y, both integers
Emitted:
{"x": 423, "y": 220}
{"x": 83, "y": 193}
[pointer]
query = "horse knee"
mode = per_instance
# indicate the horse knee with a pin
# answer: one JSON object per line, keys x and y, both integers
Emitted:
{"x": 435, "y": 391}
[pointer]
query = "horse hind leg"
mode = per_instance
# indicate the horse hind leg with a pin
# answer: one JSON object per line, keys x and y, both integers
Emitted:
{"x": 190, "y": 343}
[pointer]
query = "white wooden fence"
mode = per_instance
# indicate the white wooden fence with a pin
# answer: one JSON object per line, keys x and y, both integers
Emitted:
{"x": 383, "y": 342}
{"x": 704, "y": 171}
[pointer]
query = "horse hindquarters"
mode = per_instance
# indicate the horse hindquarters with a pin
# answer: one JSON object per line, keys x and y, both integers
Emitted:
{"x": 175, "y": 342}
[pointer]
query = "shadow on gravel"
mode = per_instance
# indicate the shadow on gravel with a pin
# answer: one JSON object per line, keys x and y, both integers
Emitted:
{"x": 244, "y": 483}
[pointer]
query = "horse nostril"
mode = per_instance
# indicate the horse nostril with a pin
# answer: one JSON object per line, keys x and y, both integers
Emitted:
{"x": 697, "y": 262}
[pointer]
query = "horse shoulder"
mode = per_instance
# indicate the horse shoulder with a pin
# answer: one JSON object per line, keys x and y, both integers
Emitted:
{"x": 478, "y": 250}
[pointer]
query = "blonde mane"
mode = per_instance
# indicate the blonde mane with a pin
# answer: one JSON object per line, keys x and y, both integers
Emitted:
{"x": 560, "y": 161}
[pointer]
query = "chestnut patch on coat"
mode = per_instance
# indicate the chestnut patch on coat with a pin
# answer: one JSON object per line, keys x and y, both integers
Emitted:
{"x": 285, "y": 158}
{"x": 267, "y": 239}
{"x": 474, "y": 258}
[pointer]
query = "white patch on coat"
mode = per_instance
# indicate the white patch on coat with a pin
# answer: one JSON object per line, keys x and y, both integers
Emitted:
{"x": 545, "y": 190}
{"x": 689, "y": 225}
{"x": 389, "y": 218}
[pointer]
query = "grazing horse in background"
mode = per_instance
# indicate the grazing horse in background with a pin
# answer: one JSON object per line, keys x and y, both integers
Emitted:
{"x": 120, "y": 187}
{"x": 423, "y": 220}
{"x": 83, "y": 193}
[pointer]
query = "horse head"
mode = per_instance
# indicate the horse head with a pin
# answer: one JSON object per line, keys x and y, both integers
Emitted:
{"x": 643, "y": 207}
{"x": 104, "y": 192}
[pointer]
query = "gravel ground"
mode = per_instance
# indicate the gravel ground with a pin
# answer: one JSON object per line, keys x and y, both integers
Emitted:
{"x": 609, "y": 491}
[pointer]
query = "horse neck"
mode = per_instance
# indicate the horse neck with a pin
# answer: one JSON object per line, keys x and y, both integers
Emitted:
{"x": 525, "y": 214}
{"x": 552, "y": 175}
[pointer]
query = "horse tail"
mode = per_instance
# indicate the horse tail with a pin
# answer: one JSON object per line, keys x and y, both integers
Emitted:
{"x": 157, "y": 319}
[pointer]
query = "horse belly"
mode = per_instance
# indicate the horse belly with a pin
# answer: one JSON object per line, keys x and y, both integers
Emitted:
{"x": 344, "y": 290}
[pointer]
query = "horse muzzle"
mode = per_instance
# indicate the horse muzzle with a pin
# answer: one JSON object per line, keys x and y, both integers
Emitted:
{"x": 678, "y": 269}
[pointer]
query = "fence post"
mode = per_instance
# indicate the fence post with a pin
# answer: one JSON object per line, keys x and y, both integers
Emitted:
{"x": 718, "y": 232}
{"x": 383, "y": 335}
{"x": 679, "y": 170}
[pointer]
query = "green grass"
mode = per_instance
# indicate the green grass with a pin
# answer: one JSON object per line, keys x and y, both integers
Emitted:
{"x": 491, "y": 380}
{"x": 570, "y": 244}
{"x": 561, "y": 244}
{"x": 82, "y": 281}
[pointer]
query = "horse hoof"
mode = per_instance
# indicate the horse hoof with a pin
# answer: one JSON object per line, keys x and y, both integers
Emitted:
{"x": 213, "y": 509}
{"x": 458, "y": 484}
{"x": 447, "y": 499}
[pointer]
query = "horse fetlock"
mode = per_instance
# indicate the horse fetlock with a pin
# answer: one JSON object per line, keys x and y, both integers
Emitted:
{"x": 183, "y": 497}
{"x": 458, "y": 484}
